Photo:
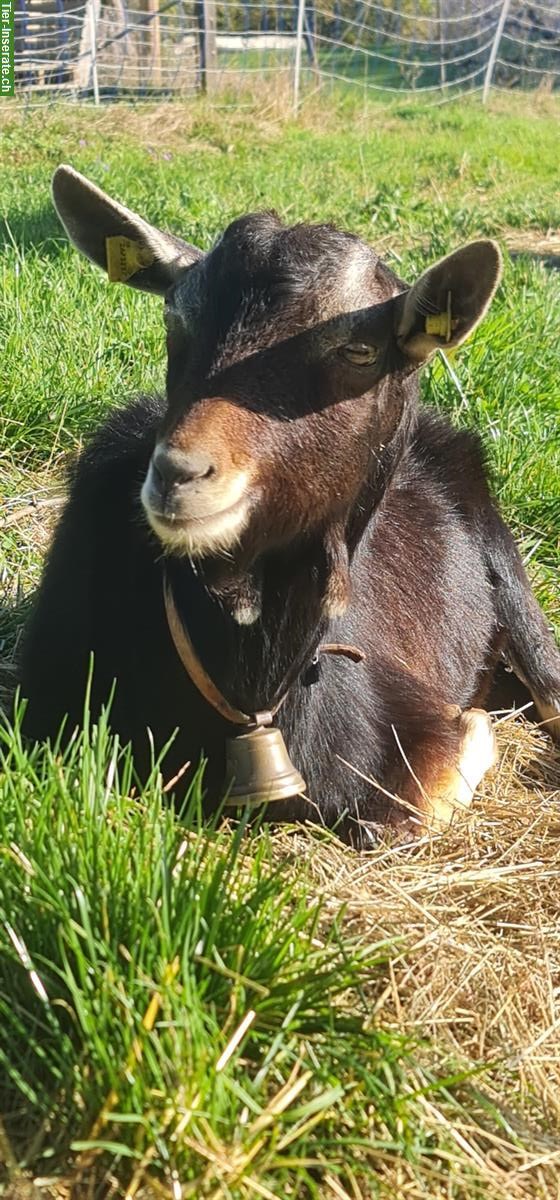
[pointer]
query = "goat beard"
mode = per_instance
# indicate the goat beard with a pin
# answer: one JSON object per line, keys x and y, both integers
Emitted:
{"x": 239, "y": 586}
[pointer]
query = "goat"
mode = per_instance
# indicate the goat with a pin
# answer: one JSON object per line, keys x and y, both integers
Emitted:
{"x": 291, "y": 488}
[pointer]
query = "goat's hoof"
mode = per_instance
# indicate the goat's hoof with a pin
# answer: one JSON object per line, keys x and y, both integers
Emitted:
{"x": 549, "y": 716}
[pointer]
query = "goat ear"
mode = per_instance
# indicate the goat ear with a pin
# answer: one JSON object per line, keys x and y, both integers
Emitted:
{"x": 116, "y": 239}
{"x": 447, "y": 302}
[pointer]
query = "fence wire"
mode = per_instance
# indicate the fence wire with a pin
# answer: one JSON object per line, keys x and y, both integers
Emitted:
{"x": 151, "y": 48}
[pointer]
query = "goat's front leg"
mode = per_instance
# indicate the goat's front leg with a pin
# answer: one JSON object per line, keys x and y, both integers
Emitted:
{"x": 437, "y": 787}
{"x": 452, "y": 793}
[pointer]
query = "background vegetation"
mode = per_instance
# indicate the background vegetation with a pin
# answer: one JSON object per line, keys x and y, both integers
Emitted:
{"x": 190, "y": 1012}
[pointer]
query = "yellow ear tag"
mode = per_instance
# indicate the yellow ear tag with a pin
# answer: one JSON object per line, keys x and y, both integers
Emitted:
{"x": 441, "y": 323}
{"x": 125, "y": 257}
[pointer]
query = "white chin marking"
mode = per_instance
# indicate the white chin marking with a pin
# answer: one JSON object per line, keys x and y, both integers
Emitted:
{"x": 335, "y": 608}
{"x": 246, "y": 614}
{"x": 215, "y": 534}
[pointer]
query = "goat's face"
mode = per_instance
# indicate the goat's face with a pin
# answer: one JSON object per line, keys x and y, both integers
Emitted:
{"x": 288, "y": 351}
{"x": 277, "y": 388}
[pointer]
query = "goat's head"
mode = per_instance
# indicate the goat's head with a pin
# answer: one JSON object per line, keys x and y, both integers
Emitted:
{"x": 289, "y": 355}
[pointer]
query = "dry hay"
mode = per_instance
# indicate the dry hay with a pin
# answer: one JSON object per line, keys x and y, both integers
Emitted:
{"x": 27, "y": 519}
{"x": 542, "y": 247}
{"x": 479, "y": 971}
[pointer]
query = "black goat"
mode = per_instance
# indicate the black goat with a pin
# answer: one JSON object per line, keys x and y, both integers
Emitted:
{"x": 292, "y": 489}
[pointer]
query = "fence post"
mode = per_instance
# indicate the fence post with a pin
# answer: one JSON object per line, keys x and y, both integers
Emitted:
{"x": 93, "y": 39}
{"x": 494, "y": 49}
{"x": 442, "y": 70}
{"x": 299, "y": 42}
{"x": 205, "y": 11}
{"x": 155, "y": 43}
{"x": 309, "y": 22}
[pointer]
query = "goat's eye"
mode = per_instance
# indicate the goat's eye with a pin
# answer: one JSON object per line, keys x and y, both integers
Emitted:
{"x": 359, "y": 354}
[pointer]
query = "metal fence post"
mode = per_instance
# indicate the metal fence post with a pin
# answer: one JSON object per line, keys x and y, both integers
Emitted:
{"x": 442, "y": 70}
{"x": 494, "y": 50}
{"x": 155, "y": 43}
{"x": 299, "y": 43}
{"x": 93, "y": 50}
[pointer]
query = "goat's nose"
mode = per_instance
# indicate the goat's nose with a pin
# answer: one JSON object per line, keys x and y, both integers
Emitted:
{"x": 174, "y": 467}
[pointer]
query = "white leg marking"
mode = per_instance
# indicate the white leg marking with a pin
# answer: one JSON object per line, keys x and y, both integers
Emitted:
{"x": 478, "y": 752}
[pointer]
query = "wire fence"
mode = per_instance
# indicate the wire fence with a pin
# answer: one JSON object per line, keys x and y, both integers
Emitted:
{"x": 150, "y": 48}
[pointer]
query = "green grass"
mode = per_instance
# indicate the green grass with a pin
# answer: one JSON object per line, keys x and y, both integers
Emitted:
{"x": 190, "y": 924}
{"x": 130, "y": 949}
{"x": 132, "y": 952}
{"x": 135, "y": 946}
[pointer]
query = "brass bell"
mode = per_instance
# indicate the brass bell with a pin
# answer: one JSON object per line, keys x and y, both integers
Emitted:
{"x": 258, "y": 768}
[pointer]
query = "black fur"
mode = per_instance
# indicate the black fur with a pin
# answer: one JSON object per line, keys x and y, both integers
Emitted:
{"x": 436, "y": 582}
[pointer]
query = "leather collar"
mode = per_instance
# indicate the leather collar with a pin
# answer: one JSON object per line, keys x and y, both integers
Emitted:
{"x": 206, "y": 685}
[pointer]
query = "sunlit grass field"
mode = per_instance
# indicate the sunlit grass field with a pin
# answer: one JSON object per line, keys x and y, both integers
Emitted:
{"x": 191, "y": 1012}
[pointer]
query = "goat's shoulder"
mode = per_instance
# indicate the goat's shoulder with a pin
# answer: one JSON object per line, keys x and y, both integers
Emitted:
{"x": 104, "y": 481}
{"x": 429, "y": 513}
{"x": 126, "y": 437}
{"x": 89, "y": 586}
{"x": 103, "y": 501}
{"x": 451, "y": 460}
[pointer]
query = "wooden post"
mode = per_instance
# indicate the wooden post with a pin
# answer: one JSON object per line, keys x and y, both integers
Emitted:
{"x": 205, "y": 11}
{"x": 83, "y": 72}
{"x": 155, "y": 43}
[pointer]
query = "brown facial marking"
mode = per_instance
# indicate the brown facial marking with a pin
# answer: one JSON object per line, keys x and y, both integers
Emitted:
{"x": 221, "y": 428}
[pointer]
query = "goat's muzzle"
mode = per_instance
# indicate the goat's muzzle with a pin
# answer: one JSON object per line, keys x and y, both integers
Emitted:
{"x": 195, "y": 504}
